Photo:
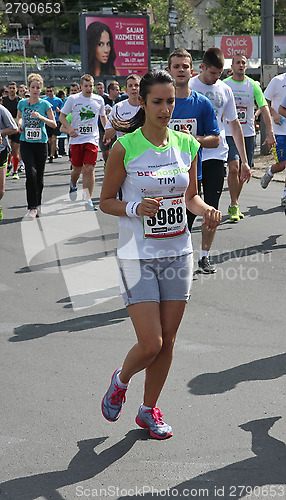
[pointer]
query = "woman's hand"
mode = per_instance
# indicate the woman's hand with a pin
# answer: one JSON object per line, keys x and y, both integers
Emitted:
{"x": 211, "y": 218}
{"x": 149, "y": 206}
{"x": 35, "y": 114}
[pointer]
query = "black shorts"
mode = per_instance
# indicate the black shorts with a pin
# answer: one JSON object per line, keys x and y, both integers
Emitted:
{"x": 53, "y": 131}
{"x": 15, "y": 138}
{"x": 105, "y": 147}
{"x": 212, "y": 183}
{"x": 3, "y": 158}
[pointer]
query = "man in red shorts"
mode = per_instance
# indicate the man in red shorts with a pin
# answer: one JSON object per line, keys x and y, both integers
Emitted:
{"x": 85, "y": 108}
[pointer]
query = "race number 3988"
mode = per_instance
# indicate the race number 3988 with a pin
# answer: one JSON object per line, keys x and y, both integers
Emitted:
{"x": 169, "y": 221}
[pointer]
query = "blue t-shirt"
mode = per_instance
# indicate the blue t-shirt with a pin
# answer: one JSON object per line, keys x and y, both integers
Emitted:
{"x": 197, "y": 113}
{"x": 34, "y": 129}
{"x": 55, "y": 102}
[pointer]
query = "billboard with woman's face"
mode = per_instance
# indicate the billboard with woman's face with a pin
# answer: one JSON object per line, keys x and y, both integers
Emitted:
{"x": 114, "y": 45}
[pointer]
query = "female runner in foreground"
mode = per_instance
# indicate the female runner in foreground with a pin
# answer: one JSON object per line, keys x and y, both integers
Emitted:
{"x": 156, "y": 169}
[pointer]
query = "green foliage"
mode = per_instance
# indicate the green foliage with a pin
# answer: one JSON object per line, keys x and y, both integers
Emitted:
{"x": 14, "y": 58}
{"x": 242, "y": 17}
{"x": 3, "y": 28}
{"x": 235, "y": 17}
{"x": 280, "y": 17}
{"x": 160, "y": 10}
{"x": 66, "y": 24}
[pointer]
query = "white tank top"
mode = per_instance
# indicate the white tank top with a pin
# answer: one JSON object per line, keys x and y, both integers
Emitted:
{"x": 156, "y": 172}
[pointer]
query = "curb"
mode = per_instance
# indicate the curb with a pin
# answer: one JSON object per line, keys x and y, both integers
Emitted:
{"x": 258, "y": 175}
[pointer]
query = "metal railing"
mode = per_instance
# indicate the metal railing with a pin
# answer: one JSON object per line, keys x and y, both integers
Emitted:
{"x": 52, "y": 73}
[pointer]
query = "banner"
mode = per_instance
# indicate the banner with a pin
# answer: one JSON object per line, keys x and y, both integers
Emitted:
{"x": 12, "y": 44}
{"x": 250, "y": 46}
{"x": 247, "y": 45}
{"x": 114, "y": 45}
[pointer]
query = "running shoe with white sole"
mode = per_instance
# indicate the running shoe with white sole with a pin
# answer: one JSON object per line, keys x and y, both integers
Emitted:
{"x": 88, "y": 205}
{"x": 206, "y": 267}
{"x": 73, "y": 192}
{"x": 152, "y": 420}
{"x": 113, "y": 400}
{"x": 267, "y": 177}
{"x": 283, "y": 201}
{"x": 21, "y": 166}
{"x": 32, "y": 214}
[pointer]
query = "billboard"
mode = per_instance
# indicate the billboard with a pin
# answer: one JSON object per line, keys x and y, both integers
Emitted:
{"x": 114, "y": 45}
{"x": 243, "y": 44}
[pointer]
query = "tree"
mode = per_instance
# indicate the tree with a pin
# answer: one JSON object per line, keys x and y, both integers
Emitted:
{"x": 160, "y": 27}
{"x": 242, "y": 17}
{"x": 235, "y": 17}
{"x": 280, "y": 17}
{"x": 66, "y": 24}
{"x": 3, "y": 19}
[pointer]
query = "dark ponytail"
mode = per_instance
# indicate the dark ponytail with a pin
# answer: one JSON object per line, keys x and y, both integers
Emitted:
{"x": 152, "y": 77}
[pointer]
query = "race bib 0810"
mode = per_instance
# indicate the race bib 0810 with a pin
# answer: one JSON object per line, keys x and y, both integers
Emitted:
{"x": 242, "y": 114}
{"x": 190, "y": 123}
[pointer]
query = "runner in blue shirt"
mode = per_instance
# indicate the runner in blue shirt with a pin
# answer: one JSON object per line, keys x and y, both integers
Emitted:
{"x": 193, "y": 113}
{"x": 56, "y": 104}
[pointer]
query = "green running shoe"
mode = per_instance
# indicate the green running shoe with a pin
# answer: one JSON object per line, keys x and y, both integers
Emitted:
{"x": 9, "y": 170}
{"x": 1, "y": 213}
{"x": 233, "y": 213}
{"x": 241, "y": 215}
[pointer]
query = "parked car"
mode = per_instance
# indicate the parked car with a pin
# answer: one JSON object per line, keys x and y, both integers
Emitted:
{"x": 57, "y": 62}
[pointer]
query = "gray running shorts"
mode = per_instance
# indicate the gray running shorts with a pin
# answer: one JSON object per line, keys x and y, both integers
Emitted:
{"x": 155, "y": 280}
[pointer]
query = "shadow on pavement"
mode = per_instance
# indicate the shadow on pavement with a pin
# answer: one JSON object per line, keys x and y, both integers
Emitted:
{"x": 234, "y": 481}
{"x": 226, "y": 380}
{"x": 254, "y": 210}
{"x": 265, "y": 247}
{"x": 85, "y": 465}
{"x": 38, "y": 330}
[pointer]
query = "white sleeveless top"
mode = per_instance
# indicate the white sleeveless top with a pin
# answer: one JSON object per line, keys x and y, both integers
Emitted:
{"x": 156, "y": 172}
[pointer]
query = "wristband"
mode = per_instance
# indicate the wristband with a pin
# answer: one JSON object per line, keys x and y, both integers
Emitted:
{"x": 131, "y": 208}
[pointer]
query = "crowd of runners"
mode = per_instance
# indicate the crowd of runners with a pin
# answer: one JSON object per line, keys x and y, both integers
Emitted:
{"x": 167, "y": 143}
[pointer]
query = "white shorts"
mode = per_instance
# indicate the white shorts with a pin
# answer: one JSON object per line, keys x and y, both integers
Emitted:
{"x": 155, "y": 280}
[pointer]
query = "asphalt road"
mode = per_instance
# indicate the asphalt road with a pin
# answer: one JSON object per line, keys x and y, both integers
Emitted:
{"x": 64, "y": 330}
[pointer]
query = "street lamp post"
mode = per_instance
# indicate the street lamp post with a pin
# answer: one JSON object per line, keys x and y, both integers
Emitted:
{"x": 17, "y": 27}
{"x": 173, "y": 21}
{"x": 267, "y": 50}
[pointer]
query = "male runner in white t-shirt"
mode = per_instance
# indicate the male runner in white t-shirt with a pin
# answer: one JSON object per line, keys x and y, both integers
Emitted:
{"x": 124, "y": 110}
{"x": 246, "y": 91}
{"x": 85, "y": 108}
{"x": 213, "y": 159}
{"x": 275, "y": 93}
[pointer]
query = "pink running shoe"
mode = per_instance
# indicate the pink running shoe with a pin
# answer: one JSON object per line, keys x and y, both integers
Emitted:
{"x": 152, "y": 419}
